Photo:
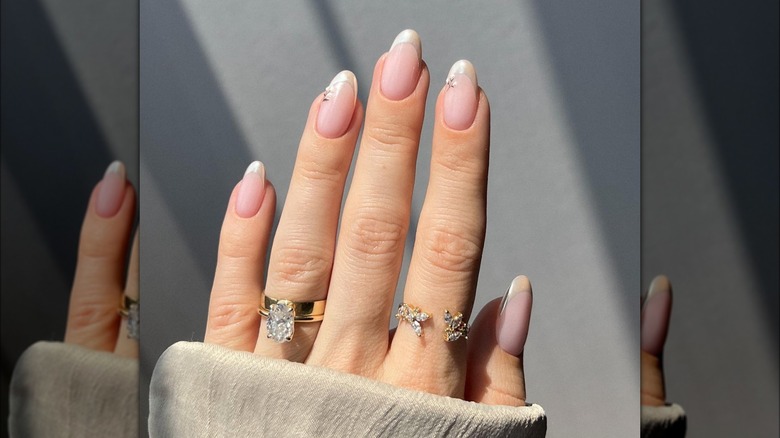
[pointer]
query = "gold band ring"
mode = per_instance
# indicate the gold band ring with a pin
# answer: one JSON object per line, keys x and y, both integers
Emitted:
{"x": 126, "y": 305}
{"x": 283, "y": 314}
{"x": 305, "y": 311}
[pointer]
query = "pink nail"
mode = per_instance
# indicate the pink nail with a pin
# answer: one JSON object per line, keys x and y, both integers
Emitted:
{"x": 252, "y": 190}
{"x": 460, "y": 99}
{"x": 514, "y": 316}
{"x": 112, "y": 190}
{"x": 338, "y": 105}
{"x": 655, "y": 315}
{"x": 401, "y": 71}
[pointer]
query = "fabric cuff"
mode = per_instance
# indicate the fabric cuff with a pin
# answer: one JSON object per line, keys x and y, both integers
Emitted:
{"x": 207, "y": 390}
{"x": 63, "y": 390}
{"x": 663, "y": 421}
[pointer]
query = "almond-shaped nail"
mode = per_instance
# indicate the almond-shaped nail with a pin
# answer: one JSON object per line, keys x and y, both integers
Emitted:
{"x": 402, "y": 67}
{"x": 460, "y": 96}
{"x": 252, "y": 190}
{"x": 514, "y": 316}
{"x": 338, "y": 104}
{"x": 655, "y": 315}
{"x": 111, "y": 192}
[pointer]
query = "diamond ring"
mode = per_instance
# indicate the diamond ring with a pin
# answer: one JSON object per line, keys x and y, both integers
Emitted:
{"x": 283, "y": 314}
{"x": 456, "y": 327}
{"x": 128, "y": 308}
{"x": 413, "y": 315}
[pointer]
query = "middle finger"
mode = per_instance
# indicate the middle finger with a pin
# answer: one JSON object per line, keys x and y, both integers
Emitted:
{"x": 376, "y": 214}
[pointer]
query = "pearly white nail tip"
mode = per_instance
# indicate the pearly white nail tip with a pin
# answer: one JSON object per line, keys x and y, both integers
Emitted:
{"x": 660, "y": 284}
{"x": 519, "y": 284}
{"x": 345, "y": 76}
{"x": 116, "y": 167}
{"x": 256, "y": 167}
{"x": 408, "y": 36}
{"x": 463, "y": 67}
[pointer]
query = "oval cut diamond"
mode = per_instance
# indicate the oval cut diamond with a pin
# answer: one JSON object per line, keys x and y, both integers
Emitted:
{"x": 280, "y": 324}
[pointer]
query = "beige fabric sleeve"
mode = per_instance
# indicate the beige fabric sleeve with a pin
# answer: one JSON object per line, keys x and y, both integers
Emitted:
{"x": 200, "y": 390}
{"x": 63, "y": 390}
{"x": 663, "y": 421}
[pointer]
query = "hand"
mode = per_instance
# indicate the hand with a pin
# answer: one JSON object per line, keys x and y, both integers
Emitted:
{"x": 656, "y": 309}
{"x": 93, "y": 318}
{"x": 358, "y": 269}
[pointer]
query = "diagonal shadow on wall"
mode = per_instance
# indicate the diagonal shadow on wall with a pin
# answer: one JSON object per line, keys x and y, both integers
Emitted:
{"x": 598, "y": 89}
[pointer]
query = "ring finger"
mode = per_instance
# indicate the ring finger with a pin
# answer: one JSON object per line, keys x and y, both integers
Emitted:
{"x": 302, "y": 253}
{"x": 450, "y": 236}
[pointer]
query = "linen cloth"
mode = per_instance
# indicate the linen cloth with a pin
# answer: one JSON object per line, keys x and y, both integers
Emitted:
{"x": 200, "y": 390}
{"x": 663, "y": 421}
{"x": 63, "y": 390}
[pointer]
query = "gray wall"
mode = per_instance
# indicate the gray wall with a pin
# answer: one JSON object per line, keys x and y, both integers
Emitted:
{"x": 69, "y": 108}
{"x": 225, "y": 83}
{"x": 710, "y": 205}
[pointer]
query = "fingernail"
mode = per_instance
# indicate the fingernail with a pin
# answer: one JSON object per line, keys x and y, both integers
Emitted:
{"x": 111, "y": 191}
{"x": 460, "y": 98}
{"x": 337, "y": 105}
{"x": 401, "y": 71}
{"x": 252, "y": 190}
{"x": 655, "y": 315}
{"x": 514, "y": 316}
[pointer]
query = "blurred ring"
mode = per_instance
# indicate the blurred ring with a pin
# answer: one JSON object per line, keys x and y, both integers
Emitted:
{"x": 128, "y": 308}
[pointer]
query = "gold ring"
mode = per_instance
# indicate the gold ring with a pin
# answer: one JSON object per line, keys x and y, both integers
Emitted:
{"x": 128, "y": 308}
{"x": 126, "y": 305}
{"x": 456, "y": 327}
{"x": 283, "y": 314}
{"x": 413, "y": 315}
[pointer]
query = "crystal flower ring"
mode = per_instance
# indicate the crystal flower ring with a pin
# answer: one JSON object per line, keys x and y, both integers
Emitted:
{"x": 456, "y": 327}
{"x": 283, "y": 314}
{"x": 128, "y": 308}
{"x": 413, "y": 315}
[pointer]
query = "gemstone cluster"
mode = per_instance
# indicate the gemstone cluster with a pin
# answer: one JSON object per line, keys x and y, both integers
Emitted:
{"x": 413, "y": 315}
{"x": 456, "y": 327}
{"x": 133, "y": 321}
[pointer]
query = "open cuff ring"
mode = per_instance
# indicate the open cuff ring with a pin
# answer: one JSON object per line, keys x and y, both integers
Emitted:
{"x": 128, "y": 308}
{"x": 283, "y": 314}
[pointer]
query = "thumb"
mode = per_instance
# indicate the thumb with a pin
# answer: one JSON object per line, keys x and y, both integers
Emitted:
{"x": 656, "y": 309}
{"x": 495, "y": 362}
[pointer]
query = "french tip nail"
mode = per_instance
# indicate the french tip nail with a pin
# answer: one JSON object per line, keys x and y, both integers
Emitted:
{"x": 660, "y": 284}
{"x": 515, "y": 316}
{"x": 117, "y": 168}
{"x": 411, "y": 37}
{"x": 256, "y": 167}
{"x": 519, "y": 284}
{"x": 347, "y": 77}
{"x": 464, "y": 67}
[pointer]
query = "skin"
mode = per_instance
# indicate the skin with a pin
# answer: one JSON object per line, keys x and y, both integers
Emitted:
{"x": 93, "y": 321}
{"x": 359, "y": 272}
{"x": 655, "y": 325}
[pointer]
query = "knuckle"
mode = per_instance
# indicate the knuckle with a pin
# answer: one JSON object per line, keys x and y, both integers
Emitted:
{"x": 393, "y": 137}
{"x": 90, "y": 314}
{"x": 100, "y": 248}
{"x": 301, "y": 264}
{"x": 376, "y": 235}
{"x": 318, "y": 172}
{"x": 227, "y": 315}
{"x": 235, "y": 244}
{"x": 451, "y": 248}
{"x": 459, "y": 159}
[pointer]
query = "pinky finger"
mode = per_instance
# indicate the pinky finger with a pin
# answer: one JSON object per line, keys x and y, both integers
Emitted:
{"x": 495, "y": 361}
